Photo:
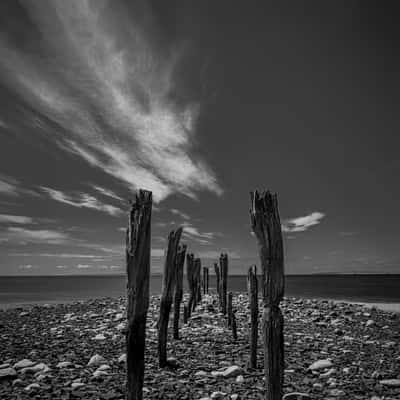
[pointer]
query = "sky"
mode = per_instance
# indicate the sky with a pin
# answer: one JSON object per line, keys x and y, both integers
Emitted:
{"x": 199, "y": 102}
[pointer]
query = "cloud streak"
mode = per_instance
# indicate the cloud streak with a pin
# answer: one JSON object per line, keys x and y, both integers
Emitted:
{"x": 82, "y": 200}
{"x": 110, "y": 95}
{"x": 301, "y": 224}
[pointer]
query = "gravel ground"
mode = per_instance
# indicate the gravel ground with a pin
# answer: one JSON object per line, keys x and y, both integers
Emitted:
{"x": 45, "y": 352}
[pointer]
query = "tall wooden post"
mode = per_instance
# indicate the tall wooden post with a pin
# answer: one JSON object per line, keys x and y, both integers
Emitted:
{"x": 266, "y": 226}
{"x": 252, "y": 288}
{"x": 138, "y": 239}
{"x": 190, "y": 275}
{"x": 217, "y": 276}
{"x": 197, "y": 268}
{"x": 223, "y": 262}
{"x": 180, "y": 260}
{"x": 166, "y": 296}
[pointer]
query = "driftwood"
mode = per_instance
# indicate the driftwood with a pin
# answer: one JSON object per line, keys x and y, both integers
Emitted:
{"x": 166, "y": 296}
{"x": 138, "y": 239}
{"x": 217, "y": 277}
{"x": 180, "y": 260}
{"x": 190, "y": 275}
{"x": 252, "y": 288}
{"x": 266, "y": 226}
{"x": 223, "y": 265}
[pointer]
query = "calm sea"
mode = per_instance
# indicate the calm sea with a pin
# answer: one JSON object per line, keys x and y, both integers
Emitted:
{"x": 46, "y": 289}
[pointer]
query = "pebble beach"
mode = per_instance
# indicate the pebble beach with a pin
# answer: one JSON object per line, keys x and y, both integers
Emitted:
{"x": 333, "y": 350}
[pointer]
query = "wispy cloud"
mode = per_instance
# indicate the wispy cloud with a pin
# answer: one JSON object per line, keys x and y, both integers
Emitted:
{"x": 23, "y": 235}
{"x": 180, "y": 213}
{"x": 28, "y": 266}
{"x": 8, "y": 186}
{"x": 192, "y": 233}
{"x": 107, "y": 192}
{"x": 62, "y": 266}
{"x": 112, "y": 91}
{"x": 82, "y": 200}
{"x": 60, "y": 255}
{"x": 83, "y": 266}
{"x": 301, "y": 224}
{"x": 15, "y": 219}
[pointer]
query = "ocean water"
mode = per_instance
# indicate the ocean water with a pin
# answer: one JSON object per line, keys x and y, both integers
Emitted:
{"x": 47, "y": 289}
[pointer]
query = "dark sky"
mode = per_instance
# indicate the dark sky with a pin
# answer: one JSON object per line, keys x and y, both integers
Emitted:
{"x": 200, "y": 102}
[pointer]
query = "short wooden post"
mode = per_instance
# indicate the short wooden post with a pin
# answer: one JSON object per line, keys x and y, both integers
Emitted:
{"x": 229, "y": 308}
{"x": 217, "y": 276}
{"x": 205, "y": 280}
{"x": 190, "y": 275}
{"x": 185, "y": 314}
{"x": 252, "y": 288}
{"x": 138, "y": 239}
{"x": 166, "y": 296}
{"x": 233, "y": 326}
{"x": 223, "y": 262}
{"x": 266, "y": 225}
{"x": 180, "y": 260}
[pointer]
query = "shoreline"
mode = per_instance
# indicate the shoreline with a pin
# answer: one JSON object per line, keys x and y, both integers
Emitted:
{"x": 379, "y": 305}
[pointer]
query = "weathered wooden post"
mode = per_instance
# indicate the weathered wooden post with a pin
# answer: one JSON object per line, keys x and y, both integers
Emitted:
{"x": 230, "y": 309}
{"x": 197, "y": 268}
{"x": 138, "y": 239}
{"x": 217, "y": 276}
{"x": 205, "y": 280}
{"x": 190, "y": 275}
{"x": 180, "y": 260}
{"x": 166, "y": 296}
{"x": 252, "y": 288}
{"x": 233, "y": 325}
{"x": 185, "y": 314}
{"x": 223, "y": 262}
{"x": 266, "y": 225}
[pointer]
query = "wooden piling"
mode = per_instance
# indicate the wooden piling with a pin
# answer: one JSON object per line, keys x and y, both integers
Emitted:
{"x": 205, "y": 280}
{"x": 166, "y": 296}
{"x": 217, "y": 276}
{"x": 233, "y": 326}
{"x": 180, "y": 260}
{"x": 138, "y": 239}
{"x": 190, "y": 276}
{"x": 266, "y": 225}
{"x": 230, "y": 309}
{"x": 252, "y": 288}
{"x": 197, "y": 268}
{"x": 185, "y": 314}
{"x": 223, "y": 262}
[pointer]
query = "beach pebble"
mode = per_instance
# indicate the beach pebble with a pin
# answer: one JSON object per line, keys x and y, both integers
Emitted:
{"x": 64, "y": 364}
{"x": 99, "y": 373}
{"x": 77, "y": 385}
{"x": 336, "y": 393}
{"x": 7, "y": 373}
{"x": 25, "y": 363}
{"x": 96, "y": 360}
{"x": 239, "y": 379}
{"x": 217, "y": 395}
{"x": 370, "y": 322}
{"x": 320, "y": 364}
{"x": 390, "y": 382}
{"x": 122, "y": 358}
{"x": 328, "y": 373}
{"x": 41, "y": 367}
{"x": 99, "y": 336}
{"x": 296, "y": 396}
{"x": 234, "y": 396}
{"x": 230, "y": 372}
{"x": 32, "y": 386}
